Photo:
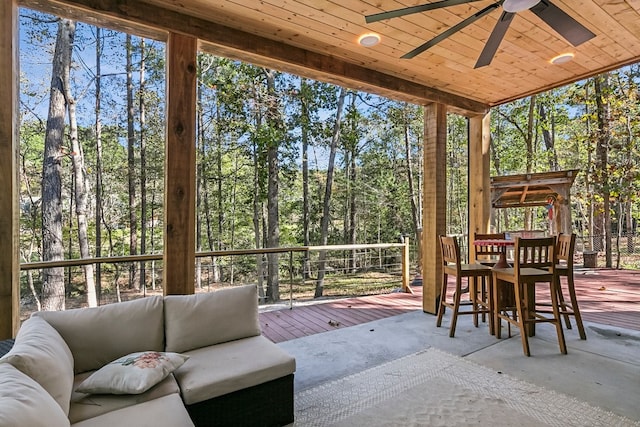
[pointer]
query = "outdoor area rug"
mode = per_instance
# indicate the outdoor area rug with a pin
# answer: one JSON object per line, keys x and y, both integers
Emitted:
{"x": 434, "y": 388}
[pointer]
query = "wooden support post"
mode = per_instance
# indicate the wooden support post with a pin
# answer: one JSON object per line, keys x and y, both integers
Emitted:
{"x": 9, "y": 151}
{"x": 479, "y": 183}
{"x": 180, "y": 166}
{"x": 434, "y": 216}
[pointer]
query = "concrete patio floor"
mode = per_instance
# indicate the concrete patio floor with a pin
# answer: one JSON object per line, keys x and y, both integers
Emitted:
{"x": 603, "y": 371}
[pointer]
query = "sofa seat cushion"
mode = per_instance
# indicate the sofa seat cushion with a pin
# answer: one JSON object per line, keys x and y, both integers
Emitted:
{"x": 166, "y": 411}
{"x": 201, "y": 320}
{"x": 224, "y": 368}
{"x": 84, "y": 406}
{"x": 40, "y": 352}
{"x": 23, "y": 402}
{"x": 98, "y": 335}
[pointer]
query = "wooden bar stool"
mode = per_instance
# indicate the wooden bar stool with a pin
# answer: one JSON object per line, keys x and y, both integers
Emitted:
{"x": 452, "y": 265}
{"x": 535, "y": 261}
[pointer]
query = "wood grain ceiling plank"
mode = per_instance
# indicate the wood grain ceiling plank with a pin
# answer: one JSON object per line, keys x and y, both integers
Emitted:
{"x": 451, "y": 60}
{"x": 596, "y": 18}
{"x": 340, "y": 39}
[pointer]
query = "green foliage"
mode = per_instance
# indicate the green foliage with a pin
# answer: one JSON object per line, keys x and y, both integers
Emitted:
{"x": 240, "y": 117}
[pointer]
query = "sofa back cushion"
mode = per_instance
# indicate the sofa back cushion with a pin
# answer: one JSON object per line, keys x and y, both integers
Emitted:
{"x": 40, "y": 352}
{"x": 98, "y": 335}
{"x": 23, "y": 402}
{"x": 200, "y": 320}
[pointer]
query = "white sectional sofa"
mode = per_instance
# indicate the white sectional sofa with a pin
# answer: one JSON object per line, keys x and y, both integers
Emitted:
{"x": 227, "y": 373}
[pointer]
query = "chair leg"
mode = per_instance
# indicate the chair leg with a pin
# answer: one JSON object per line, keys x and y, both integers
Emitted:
{"x": 556, "y": 314}
{"x": 456, "y": 307}
{"x": 483, "y": 295}
{"x": 497, "y": 322}
{"x": 443, "y": 296}
{"x": 574, "y": 306}
{"x": 490, "y": 301}
{"x": 522, "y": 318}
{"x": 562, "y": 304}
{"x": 472, "y": 283}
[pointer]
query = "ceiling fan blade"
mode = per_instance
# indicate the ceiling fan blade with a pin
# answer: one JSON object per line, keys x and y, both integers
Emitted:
{"x": 495, "y": 39}
{"x": 414, "y": 9}
{"x": 437, "y": 39}
{"x": 573, "y": 31}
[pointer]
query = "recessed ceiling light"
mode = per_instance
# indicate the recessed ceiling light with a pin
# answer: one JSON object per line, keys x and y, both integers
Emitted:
{"x": 562, "y": 58}
{"x": 369, "y": 39}
{"x": 514, "y": 6}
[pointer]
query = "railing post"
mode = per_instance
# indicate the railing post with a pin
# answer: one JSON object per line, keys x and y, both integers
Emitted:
{"x": 290, "y": 280}
{"x": 405, "y": 266}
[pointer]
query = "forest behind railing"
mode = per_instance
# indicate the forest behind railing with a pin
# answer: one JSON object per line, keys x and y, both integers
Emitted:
{"x": 348, "y": 270}
{"x": 281, "y": 160}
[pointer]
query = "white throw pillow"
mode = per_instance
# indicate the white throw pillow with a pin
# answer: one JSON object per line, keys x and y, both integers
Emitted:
{"x": 23, "y": 402}
{"x": 134, "y": 373}
{"x": 41, "y": 353}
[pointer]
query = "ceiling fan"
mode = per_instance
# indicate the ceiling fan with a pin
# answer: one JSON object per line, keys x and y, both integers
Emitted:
{"x": 570, "y": 29}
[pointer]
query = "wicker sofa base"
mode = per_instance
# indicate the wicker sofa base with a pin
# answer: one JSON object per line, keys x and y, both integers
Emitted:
{"x": 265, "y": 405}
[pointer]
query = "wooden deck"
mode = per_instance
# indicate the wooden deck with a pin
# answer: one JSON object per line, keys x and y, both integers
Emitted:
{"x": 610, "y": 297}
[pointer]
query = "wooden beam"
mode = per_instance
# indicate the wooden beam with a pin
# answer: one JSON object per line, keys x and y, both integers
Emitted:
{"x": 9, "y": 151}
{"x": 434, "y": 218}
{"x": 236, "y": 44}
{"x": 479, "y": 183}
{"x": 180, "y": 166}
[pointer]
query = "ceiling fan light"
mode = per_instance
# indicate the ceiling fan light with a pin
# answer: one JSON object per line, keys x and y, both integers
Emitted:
{"x": 514, "y": 6}
{"x": 369, "y": 39}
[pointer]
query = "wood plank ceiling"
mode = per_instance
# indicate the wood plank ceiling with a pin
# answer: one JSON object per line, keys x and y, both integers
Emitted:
{"x": 521, "y": 65}
{"x": 330, "y": 30}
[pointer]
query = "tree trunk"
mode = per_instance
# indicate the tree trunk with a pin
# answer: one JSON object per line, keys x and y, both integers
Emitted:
{"x": 143, "y": 166}
{"x": 199, "y": 175}
{"x": 273, "y": 221}
{"x": 528, "y": 212}
{"x": 602, "y": 157}
{"x": 53, "y": 292}
{"x": 305, "y": 175}
{"x": 257, "y": 214}
{"x": 234, "y": 191}
{"x": 409, "y": 165}
{"x": 81, "y": 195}
{"x": 353, "y": 174}
{"x": 548, "y": 135}
{"x": 324, "y": 223}
{"x": 98, "y": 191}
{"x": 131, "y": 163}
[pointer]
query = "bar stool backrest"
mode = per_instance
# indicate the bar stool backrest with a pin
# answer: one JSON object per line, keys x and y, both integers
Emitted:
{"x": 535, "y": 253}
{"x": 488, "y": 254}
{"x": 450, "y": 252}
{"x": 565, "y": 249}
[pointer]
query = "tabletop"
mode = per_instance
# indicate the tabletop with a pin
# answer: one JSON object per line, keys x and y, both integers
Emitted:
{"x": 494, "y": 242}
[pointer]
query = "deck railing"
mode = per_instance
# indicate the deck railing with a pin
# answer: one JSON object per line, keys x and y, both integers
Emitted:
{"x": 349, "y": 270}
